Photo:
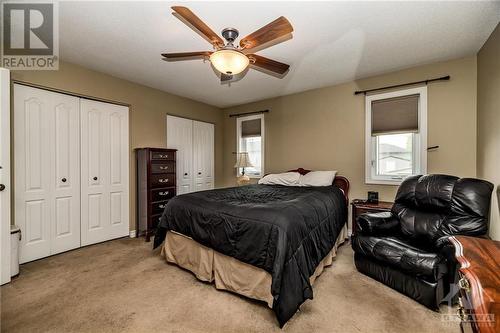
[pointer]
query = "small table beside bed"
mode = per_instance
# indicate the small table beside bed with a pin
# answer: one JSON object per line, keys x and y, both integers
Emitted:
{"x": 267, "y": 241}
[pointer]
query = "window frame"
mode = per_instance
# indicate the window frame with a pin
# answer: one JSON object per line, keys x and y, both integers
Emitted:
{"x": 419, "y": 140}
{"x": 239, "y": 120}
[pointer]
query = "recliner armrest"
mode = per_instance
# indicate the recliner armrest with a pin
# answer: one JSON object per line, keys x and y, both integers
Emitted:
{"x": 444, "y": 241}
{"x": 376, "y": 223}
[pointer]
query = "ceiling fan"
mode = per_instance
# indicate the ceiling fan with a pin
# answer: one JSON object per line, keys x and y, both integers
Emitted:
{"x": 229, "y": 59}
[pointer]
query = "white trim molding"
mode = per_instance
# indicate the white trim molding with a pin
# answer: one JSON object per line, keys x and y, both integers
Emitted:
{"x": 5, "y": 205}
{"x": 239, "y": 120}
{"x": 420, "y": 138}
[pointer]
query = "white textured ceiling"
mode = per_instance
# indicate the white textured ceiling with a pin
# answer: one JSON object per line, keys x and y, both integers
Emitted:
{"x": 333, "y": 42}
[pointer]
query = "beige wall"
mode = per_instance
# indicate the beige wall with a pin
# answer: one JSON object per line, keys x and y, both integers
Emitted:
{"x": 317, "y": 129}
{"x": 324, "y": 128}
{"x": 148, "y": 109}
{"x": 488, "y": 112}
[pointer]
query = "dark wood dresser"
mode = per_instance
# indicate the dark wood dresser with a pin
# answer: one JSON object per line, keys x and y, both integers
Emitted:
{"x": 479, "y": 283}
{"x": 155, "y": 186}
{"x": 361, "y": 207}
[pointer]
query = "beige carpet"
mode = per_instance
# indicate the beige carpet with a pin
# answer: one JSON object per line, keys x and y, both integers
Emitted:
{"x": 122, "y": 286}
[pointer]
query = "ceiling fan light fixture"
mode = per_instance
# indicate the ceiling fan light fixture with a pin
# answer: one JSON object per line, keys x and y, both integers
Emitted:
{"x": 229, "y": 62}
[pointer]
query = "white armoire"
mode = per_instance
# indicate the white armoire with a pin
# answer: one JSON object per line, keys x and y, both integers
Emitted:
{"x": 71, "y": 178}
{"x": 194, "y": 141}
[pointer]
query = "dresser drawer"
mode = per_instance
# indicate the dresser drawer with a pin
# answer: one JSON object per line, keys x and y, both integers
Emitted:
{"x": 162, "y": 167}
{"x": 158, "y": 207}
{"x": 162, "y": 194}
{"x": 163, "y": 180}
{"x": 163, "y": 155}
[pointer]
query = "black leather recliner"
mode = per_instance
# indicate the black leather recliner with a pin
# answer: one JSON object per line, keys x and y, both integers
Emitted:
{"x": 407, "y": 248}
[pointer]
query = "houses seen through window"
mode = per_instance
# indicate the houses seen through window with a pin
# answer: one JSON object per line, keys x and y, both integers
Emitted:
{"x": 395, "y": 154}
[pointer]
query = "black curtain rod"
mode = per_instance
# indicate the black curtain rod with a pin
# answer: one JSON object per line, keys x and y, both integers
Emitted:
{"x": 247, "y": 113}
{"x": 444, "y": 78}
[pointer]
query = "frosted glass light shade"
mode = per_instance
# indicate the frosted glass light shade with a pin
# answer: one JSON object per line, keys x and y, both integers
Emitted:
{"x": 229, "y": 61}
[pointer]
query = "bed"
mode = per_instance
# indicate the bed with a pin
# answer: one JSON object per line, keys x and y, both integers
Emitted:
{"x": 266, "y": 242}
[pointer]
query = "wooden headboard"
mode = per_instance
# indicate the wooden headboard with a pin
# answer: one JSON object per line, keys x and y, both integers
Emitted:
{"x": 339, "y": 181}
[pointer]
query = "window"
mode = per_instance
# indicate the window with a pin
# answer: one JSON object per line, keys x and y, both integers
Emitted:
{"x": 250, "y": 136}
{"x": 396, "y": 135}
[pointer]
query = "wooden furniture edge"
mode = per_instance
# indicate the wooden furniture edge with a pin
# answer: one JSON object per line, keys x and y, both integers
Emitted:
{"x": 475, "y": 287}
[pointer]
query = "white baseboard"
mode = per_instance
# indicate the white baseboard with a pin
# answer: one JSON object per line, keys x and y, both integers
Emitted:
{"x": 133, "y": 234}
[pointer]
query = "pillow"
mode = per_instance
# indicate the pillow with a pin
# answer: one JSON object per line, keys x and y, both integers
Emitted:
{"x": 286, "y": 178}
{"x": 317, "y": 178}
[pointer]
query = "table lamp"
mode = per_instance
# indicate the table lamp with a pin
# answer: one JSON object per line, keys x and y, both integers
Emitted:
{"x": 243, "y": 162}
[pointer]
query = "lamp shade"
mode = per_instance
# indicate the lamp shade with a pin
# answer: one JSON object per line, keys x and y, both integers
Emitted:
{"x": 243, "y": 161}
{"x": 229, "y": 62}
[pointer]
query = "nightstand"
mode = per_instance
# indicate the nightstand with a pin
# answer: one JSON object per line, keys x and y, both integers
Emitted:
{"x": 361, "y": 206}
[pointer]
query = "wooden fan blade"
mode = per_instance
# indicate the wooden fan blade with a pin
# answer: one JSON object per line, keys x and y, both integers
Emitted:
{"x": 274, "y": 30}
{"x": 268, "y": 64}
{"x": 186, "y": 55}
{"x": 199, "y": 25}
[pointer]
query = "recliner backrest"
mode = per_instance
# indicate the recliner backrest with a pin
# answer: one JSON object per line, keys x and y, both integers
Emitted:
{"x": 432, "y": 206}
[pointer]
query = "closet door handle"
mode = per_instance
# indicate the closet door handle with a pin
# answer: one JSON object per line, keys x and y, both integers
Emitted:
{"x": 95, "y": 178}
{"x": 64, "y": 180}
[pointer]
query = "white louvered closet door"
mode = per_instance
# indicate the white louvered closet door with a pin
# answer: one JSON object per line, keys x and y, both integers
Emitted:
{"x": 180, "y": 137}
{"x": 47, "y": 172}
{"x": 104, "y": 172}
{"x": 203, "y": 155}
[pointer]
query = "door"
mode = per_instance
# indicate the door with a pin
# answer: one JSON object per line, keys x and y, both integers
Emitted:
{"x": 47, "y": 181}
{"x": 65, "y": 165}
{"x": 180, "y": 137}
{"x": 4, "y": 176}
{"x": 203, "y": 155}
{"x": 104, "y": 171}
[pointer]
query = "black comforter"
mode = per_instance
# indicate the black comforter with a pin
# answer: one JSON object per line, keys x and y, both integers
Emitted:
{"x": 284, "y": 230}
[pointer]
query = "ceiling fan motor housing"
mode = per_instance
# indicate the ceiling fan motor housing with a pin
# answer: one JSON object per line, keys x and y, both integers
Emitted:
{"x": 230, "y": 34}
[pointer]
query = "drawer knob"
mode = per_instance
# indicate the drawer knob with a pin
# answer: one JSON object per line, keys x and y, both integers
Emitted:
{"x": 185, "y": 173}
{"x": 95, "y": 178}
{"x": 163, "y": 156}
{"x": 161, "y": 206}
{"x": 163, "y": 167}
{"x": 63, "y": 180}
{"x": 163, "y": 193}
{"x": 163, "y": 180}
{"x": 199, "y": 173}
